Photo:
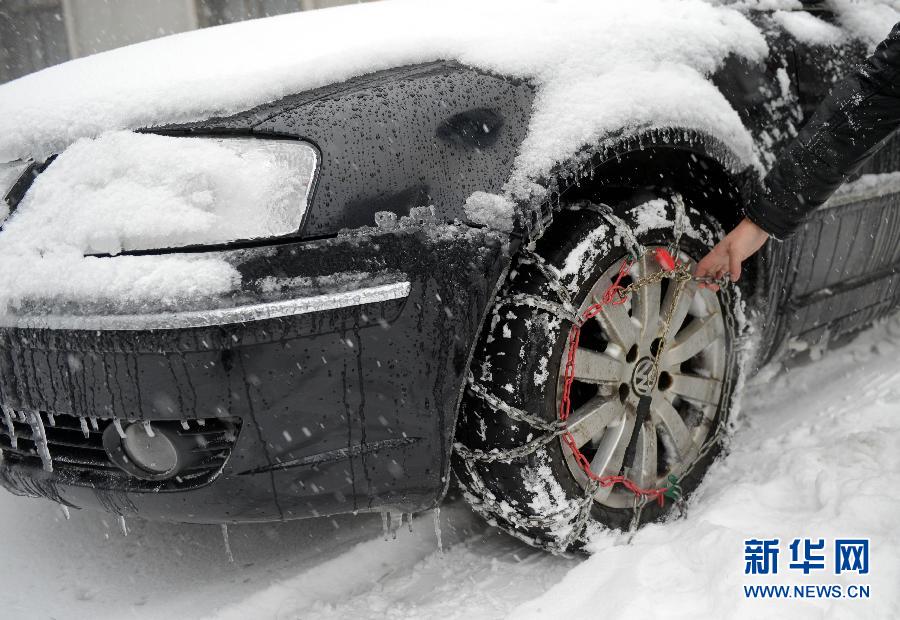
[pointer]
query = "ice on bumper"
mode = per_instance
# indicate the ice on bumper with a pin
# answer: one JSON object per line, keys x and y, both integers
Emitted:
{"x": 125, "y": 191}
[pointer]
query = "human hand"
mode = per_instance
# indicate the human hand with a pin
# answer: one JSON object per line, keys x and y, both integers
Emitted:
{"x": 726, "y": 257}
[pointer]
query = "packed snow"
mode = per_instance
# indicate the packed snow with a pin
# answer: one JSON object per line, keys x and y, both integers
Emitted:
{"x": 865, "y": 187}
{"x": 867, "y": 20}
{"x": 808, "y": 28}
{"x": 491, "y": 210}
{"x": 30, "y": 281}
{"x": 813, "y": 456}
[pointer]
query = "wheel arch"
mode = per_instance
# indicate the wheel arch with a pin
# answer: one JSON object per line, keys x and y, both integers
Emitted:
{"x": 693, "y": 163}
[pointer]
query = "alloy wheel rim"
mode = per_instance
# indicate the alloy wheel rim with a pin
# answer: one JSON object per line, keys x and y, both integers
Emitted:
{"x": 613, "y": 370}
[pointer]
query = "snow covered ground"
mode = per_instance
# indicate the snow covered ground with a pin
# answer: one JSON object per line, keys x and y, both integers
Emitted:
{"x": 814, "y": 455}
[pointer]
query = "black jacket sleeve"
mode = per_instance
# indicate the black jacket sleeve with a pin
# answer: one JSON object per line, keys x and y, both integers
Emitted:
{"x": 856, "y": 118}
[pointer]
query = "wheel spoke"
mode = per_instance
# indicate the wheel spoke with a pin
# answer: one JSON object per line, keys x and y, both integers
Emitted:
{"x": 698, "y": 389}
{"x": 593, "y": 367}
{"x": 698, "y": 335}
{"x": 611, "y": 452}
{"x": 681, "y": 308}
{"x": 647, "y": 303}
{"x": 643, "y": 472}
{"x": 666, "y": 416}
{"x": 606, "y": 428}
{"x": 589, "y": 420}
{"x": 617, "y": 325}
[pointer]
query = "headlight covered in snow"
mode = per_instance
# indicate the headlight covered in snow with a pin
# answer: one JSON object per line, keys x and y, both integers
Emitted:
{"x": 132, "y": 191}
{"x": 9, "y": 174}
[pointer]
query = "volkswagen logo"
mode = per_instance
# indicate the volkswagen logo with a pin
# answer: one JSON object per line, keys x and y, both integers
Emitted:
{"x": 644, "y": 378}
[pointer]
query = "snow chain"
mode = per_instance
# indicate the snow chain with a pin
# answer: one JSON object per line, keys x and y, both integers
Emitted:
{"x": 480, "y": 496}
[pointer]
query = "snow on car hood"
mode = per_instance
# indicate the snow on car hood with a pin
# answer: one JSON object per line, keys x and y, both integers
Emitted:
{"x": 614, "y": 62}
{"x": 598, "y": 67}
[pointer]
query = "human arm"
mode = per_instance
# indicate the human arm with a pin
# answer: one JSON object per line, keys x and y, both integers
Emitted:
{"x": 848, "y": 127}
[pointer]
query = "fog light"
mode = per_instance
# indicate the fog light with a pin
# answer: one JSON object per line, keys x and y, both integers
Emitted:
{"x": 150, "y": 450}
{"x": 147, "y": 451}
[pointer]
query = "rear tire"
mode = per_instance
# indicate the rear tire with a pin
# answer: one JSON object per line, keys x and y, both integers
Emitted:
{"x": 540, "y": 494}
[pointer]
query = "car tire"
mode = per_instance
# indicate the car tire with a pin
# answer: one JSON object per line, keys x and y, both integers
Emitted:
{"x": 511, "y": 463}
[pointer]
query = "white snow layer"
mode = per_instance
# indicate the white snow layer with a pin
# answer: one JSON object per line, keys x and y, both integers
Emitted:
{"x": 491, "y": 210}
{"x": 869, "y": 21}
{"x": 598, "y": 66}
{"x": 808, "y": 28}
{"x": 814, "y": 456}
{"x": 64, "y": 275}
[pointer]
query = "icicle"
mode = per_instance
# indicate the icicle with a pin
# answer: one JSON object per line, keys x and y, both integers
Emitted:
{"x": 227, "y": 543}
{"x": 185, "y": 425}
{"x": 385, "y": 520}
{"x": 65, "y": 511}
{"x": 118, "y": 426}
{"x": 84, "y": 428}
{"x": 10, "y": 427}
{"x": 409, "y": 521}
{"x": 94, "y": 424}
{"x": 437, "y": 528}
{"x": 123, "y": 526}
{"x": 39, "y": 436}
{"x": 51, "y": 420}
{"x": 149, "y": 430}
{"x": 396, "y": 522}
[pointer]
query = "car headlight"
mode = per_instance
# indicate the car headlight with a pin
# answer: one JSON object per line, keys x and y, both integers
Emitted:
{"x": 126, "y": 191}
{"x": 9, "y": 174}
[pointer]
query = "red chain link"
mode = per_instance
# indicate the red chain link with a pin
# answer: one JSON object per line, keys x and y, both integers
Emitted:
{"x": 613, "y": 296}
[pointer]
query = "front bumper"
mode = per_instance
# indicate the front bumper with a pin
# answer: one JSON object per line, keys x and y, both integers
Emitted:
{"x": 346, "y": 398}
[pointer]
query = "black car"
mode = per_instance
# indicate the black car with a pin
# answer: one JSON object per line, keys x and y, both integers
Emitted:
{"x": 442, "y": 347}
